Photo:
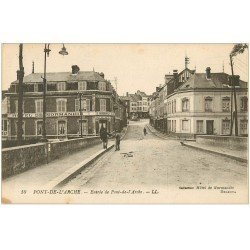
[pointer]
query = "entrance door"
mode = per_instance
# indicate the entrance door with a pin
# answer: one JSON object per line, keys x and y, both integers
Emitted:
{"x": 84, "y": 124}
{"x": 210, "y": 127}
{"x": 61, "y": 128}
{"x": 102, "y": 123}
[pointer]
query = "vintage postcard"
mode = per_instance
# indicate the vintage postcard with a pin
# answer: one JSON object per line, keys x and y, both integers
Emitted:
{"x": 124, "y": 123}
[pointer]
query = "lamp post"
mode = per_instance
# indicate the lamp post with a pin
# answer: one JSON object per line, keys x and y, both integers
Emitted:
{"x": 46, "y": 54}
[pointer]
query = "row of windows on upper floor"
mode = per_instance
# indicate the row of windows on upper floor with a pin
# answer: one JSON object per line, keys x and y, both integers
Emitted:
{"x": 63, "y": 86}
{"x": 61, "y": 105}
{"x": 170, "y": 108}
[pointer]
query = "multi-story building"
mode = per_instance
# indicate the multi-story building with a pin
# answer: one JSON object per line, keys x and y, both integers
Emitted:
{"x": 138, "y": 104}
{"x": 66, "y": 92}
{"x": 201, "y": 104}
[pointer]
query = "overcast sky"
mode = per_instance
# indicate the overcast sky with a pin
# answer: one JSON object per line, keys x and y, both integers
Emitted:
{"x": 136, "y": 66}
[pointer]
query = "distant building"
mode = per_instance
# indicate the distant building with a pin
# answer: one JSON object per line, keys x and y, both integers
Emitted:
{"x": 100, "y": 105}
{"x": 138, "y": 104}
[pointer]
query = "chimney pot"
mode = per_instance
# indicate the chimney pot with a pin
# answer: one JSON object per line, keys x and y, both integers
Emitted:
{"x": 208, "y": 73}
{"x": 75, "y": 69}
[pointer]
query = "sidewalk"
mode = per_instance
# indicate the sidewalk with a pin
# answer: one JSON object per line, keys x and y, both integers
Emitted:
{"x": 41, "y": 175}
{"x": 160, "y": 134}
{"x": 233, "y": 154}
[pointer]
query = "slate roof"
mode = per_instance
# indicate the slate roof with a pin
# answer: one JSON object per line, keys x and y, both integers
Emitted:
{"x": 63, "y": 77}
{"x": 218, "y": 80}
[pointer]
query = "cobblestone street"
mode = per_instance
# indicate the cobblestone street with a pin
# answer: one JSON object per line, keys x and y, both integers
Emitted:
{"x": 149, "y": 161}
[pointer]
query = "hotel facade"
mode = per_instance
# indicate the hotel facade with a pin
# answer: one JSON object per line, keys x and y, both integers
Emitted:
{"x": 66, "y": 92}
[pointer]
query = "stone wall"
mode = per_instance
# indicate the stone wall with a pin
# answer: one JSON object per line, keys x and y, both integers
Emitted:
{"x": 19, "y": 159}
{"x": 230, "y": 142}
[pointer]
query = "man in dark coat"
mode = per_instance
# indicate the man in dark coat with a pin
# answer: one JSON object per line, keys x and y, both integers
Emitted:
{"x": 104, "y": 136}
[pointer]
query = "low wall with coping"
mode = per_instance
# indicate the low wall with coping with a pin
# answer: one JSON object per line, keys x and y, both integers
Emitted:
{"x": 19, "y": 159}
{"x": 230, "y": 142}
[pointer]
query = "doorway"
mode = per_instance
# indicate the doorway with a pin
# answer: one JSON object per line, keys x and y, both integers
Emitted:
{"x": 210, "y": 127}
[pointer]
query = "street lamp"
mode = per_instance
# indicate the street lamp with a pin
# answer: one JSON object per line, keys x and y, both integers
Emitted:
{"x": 80, "y": 105}
{"x": 46, "y": 54}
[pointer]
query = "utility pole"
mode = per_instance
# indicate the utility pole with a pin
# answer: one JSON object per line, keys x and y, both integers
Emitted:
{"x": 20, "y": 96}
{"x": 80, "y": 100}
{"x": 235, "y": 101}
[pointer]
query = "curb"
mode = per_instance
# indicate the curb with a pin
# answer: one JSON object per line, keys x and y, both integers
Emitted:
{"x": 216, "y": 152}
{"x": 75, "y": 170}
{"x": 162, "y": 137}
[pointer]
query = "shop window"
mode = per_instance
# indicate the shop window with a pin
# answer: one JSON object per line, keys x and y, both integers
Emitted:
{"x": 185, "y": 125}
{"x": 243, "y": 127}
{"x": 226, "y": 127}
{"x": 39, "y": 127}
{"x": 199, "y": 127}
{"x": 4, "y": 127}
{"x": 61, "y": 127}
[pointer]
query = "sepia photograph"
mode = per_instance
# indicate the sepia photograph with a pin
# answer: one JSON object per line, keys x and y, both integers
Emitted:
{"x": 114, "y": 123}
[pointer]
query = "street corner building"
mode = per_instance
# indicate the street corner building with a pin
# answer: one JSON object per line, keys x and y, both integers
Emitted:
{"x": 77, "y": 103}
{"x": 191, "y": 104}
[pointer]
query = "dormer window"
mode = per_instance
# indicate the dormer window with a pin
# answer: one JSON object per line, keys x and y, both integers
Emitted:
{"x": 82, "y": 85}
{"x": 102, "y": 86}
{"x": 61, "y": 86}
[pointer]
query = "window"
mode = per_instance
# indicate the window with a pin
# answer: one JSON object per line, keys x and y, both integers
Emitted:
{"x": 61, "y": 86}
{"x": 85, "y": 105}
{"x": 35, "y": 87}
{"x": 39, "y": 106}
{"x": 23, "y": 127}
{"x": 243, "y": 127}
{"x": 84, "y": 127}
{"x": 244, "y": 103}
{"x": 61, "y": 105}
{"x": 226, "y": 104}
{"x": 16, "y": 106}
{"x": 102, "y": 104}
{"x": 208, "y": 104}
{"x": 61, "y": 127}
{"x": 4, "y": 127}
{"x": 102, "y": 86}
{"x": 199, "y": 127}
{"x": 39, "y": 127}
{"x": 185, "y": 125}
{"x": 174, "y": 106}
{"x": 174, "y": 126}
{"x": 185, "y": 104}
{"x": 82, "y": 85}
{"x": 226, "y": 127}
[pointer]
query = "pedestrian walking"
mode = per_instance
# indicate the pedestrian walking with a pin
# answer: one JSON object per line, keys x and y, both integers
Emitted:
{"x": 117, "y": 141}
{"x": 145, "y": 131}
{"x": 104, "y": 136}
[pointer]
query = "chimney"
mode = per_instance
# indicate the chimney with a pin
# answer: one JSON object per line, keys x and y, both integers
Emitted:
{"x": 101, "y": 74}
{"x": 208, "y": 73}
{"x": 75, "y": 69}
{"x": 33, "y": 67}
{"x": 175, "y": 73}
